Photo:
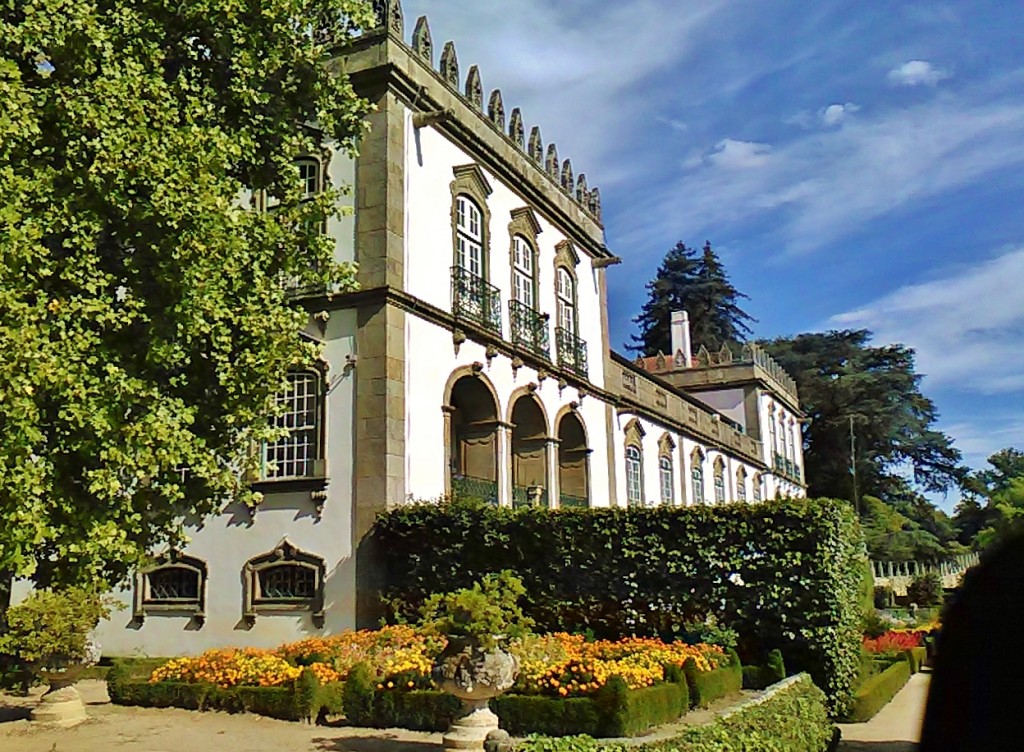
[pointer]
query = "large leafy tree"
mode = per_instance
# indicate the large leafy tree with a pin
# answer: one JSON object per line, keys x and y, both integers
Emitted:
{"x": 700, "y": 286}
{"x": 993, "y": 506}
{"x": 842, "y": 378}
{"x": 143, "y": 326}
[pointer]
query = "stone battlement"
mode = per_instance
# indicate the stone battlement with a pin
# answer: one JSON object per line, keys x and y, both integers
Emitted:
{"x": 392, "y": 22}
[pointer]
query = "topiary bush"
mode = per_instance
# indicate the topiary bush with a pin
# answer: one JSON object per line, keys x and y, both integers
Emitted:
{"x": 925, "y": 589}
{"x": 876, "y": 692}
{"x": 790, "y": 573}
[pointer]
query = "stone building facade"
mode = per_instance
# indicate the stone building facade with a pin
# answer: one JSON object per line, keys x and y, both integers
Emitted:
{"x": 474, "y": 360}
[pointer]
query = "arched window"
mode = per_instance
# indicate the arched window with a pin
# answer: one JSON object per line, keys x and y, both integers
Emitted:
{"x": 176, "y": 586}
{"x": 758, "y": 487}
{"x": 634, "y": 476}
{"x": 668, "y": 495}
{"x": 741, "y": 485}
{"x": 524, "y": 279}
{"x": 469, "y": 236}
{"x": 566, "y": 293}
{"x": 697, "y": 477}
{"x": 719, "y": 481}
{"x": 283, "y": 581}
{"x": 299, "y": 453}
{"x": 791, "y": 439}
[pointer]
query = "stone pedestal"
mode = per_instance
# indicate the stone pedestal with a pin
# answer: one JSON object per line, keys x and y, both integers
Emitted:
{"x": 469, "y": 731}
{"x": 60, "y": 707}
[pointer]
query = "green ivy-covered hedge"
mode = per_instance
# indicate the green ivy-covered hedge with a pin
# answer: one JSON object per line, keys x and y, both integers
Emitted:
{"x": 790, "y": 573}
{"x": 760, "y": 677}
{"x": 878, "y": 691}
{"x": 302, "y": 701}
{"x": 790, "y": 716}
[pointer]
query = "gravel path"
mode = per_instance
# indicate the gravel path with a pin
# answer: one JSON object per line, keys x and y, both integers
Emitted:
{"x": 897, "y": 727}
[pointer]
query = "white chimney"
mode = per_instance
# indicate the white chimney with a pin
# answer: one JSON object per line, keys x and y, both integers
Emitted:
{"x": 681, "y": 348}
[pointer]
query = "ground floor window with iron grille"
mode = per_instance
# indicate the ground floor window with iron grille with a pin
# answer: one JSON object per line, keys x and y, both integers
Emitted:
{"x": 176, "y": 586}
{"x": 282, "y": 581}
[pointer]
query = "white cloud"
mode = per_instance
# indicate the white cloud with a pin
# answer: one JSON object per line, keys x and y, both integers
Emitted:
{"x": 967, "y": 327}
{"x": 739, "y": 155}
{"x": 835, "y": 114}
{"x": 827, "y": 183}
{"x": 917, "y": 73}
{"x": 979, "y": 441}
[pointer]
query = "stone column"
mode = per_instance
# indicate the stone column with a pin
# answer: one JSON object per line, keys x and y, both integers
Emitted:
{"x": 447, "y": 410}
{"x": 503, "y": 449}
{"x": 551, "y": 457}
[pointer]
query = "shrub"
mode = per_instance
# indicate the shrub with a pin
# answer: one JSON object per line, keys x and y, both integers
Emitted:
{"x": 877, "y": 691}
{"x": 648, "y": 571}
{"x": 487, "y": 609}
{"x": 760, "y": 677}
{"x": 791, "y": 717}
{"x": 884, "y": 596}
{"x": 50, "y": 629}
{"x": 916, "y": 658}
{"x": 707, "y": 686}
{"x": 925, "y": 589}
{"x": 368, "y": 704}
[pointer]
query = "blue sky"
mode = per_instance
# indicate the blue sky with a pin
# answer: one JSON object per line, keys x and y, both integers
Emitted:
{"x": 855, "y": 164}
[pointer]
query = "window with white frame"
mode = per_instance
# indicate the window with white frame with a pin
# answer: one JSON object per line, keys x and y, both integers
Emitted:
{"x": 566, "y": 293}
{"x": 667, "y": 481}
{"x": 309, "y": 176}
{"x": 469, "y": 236}
{"x": 741, "y": 485}
{"x": 720, "y": 482}
{"x": 523, "y": 280}
{"x": 697, "y": 477}
{"x": 781, "y": 448}
{"x": 790, "y": 433}
{"x": 758, "y": 487}
{"x": 771, "y": 430}
{"x": 298, "y": 453}
{"x": 634, "y": 473}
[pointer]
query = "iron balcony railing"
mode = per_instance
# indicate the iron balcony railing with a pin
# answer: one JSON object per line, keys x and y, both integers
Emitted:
{"x": 529, "y": 496}
{"x": 465, "y": 487}
{"x": 786, "y": 467}
{"x": 572, "y": 351}
{"x": 529, "y": 328}
{"x": 475, "y": 299}
{"x": 568, "y": 501}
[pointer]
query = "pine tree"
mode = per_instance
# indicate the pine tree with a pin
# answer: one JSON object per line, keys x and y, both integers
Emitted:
{"x": 700, "y": 287}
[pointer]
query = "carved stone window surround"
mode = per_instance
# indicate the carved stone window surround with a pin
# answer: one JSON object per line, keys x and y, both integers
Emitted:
{"x": 256, "y": 603}
{"x": 145, "y": 603}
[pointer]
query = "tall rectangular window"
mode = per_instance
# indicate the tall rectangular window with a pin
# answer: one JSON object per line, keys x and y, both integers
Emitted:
{"x": 469, "y": 236}
{"x": 634, "y": 492}
{"x": 294, "y": 455}
{"x": 668, "y": 494}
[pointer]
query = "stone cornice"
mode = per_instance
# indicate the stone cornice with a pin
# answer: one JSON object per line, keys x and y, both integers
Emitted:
{"x": 382, "y": 61}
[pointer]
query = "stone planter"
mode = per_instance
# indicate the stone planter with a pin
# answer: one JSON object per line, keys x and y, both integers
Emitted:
{"x": 474, "y": 675}
{"x": 61, "y": 705}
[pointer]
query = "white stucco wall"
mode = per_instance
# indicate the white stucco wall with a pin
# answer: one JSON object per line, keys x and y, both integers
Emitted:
{"x": 341, "y": 171}
{"x": 729, "y": 402}
{"x": 429, "y": 254}
{"x": 230, "y": 539}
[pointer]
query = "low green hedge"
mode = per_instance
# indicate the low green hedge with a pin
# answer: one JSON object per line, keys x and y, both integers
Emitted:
{"x": 876, "y": 692}
{"x": 707, "y": 686}
{"x": 614, "y": 710}
{"x": 304, "y": 700}
{"x": 790, "y": 716}
{"x": 916, "y": 658}
{"x": 761, "y": 677}
{"x": 418, "y": 710}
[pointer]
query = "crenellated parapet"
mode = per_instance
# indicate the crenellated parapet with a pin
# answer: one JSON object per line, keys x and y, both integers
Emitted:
{"x": 545, "y": 156}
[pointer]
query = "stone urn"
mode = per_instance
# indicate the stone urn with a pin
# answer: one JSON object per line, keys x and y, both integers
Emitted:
{"x": 62, "y": 705}
{"x": 474, "y": 675}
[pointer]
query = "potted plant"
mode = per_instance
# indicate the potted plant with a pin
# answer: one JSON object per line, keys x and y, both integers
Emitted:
{"x": 474, "y": 666}
{"x": 48, "y": 636}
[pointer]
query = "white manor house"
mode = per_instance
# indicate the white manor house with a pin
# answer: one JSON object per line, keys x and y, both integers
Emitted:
{"x": 474, "y": 360}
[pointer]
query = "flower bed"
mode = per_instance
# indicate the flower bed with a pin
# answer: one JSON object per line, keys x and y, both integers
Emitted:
{"x": 636, "y": 682}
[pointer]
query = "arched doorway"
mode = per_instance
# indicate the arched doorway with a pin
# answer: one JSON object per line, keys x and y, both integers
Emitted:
{"x": 573, "y": 463}
{"x": 473, "y": 440}
{"x": 529, "y": 453}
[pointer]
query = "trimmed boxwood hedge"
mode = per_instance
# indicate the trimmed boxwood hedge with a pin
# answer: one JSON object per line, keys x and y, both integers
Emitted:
{"x": 790, "y": 716}
{"x": 789, "y": 572}
{"x": 876, "y": 692}
{"x": 708, "y": 686}
{"x": 614, "y": 710}
{"x": 760, "y": 677}
{"x": 303, "y": 701}
{"x": 916, "y": 658}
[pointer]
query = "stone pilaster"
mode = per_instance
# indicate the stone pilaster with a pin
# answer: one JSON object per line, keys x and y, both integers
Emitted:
{"x": 502, "y": 448}
{"x": 551, "y": 458}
